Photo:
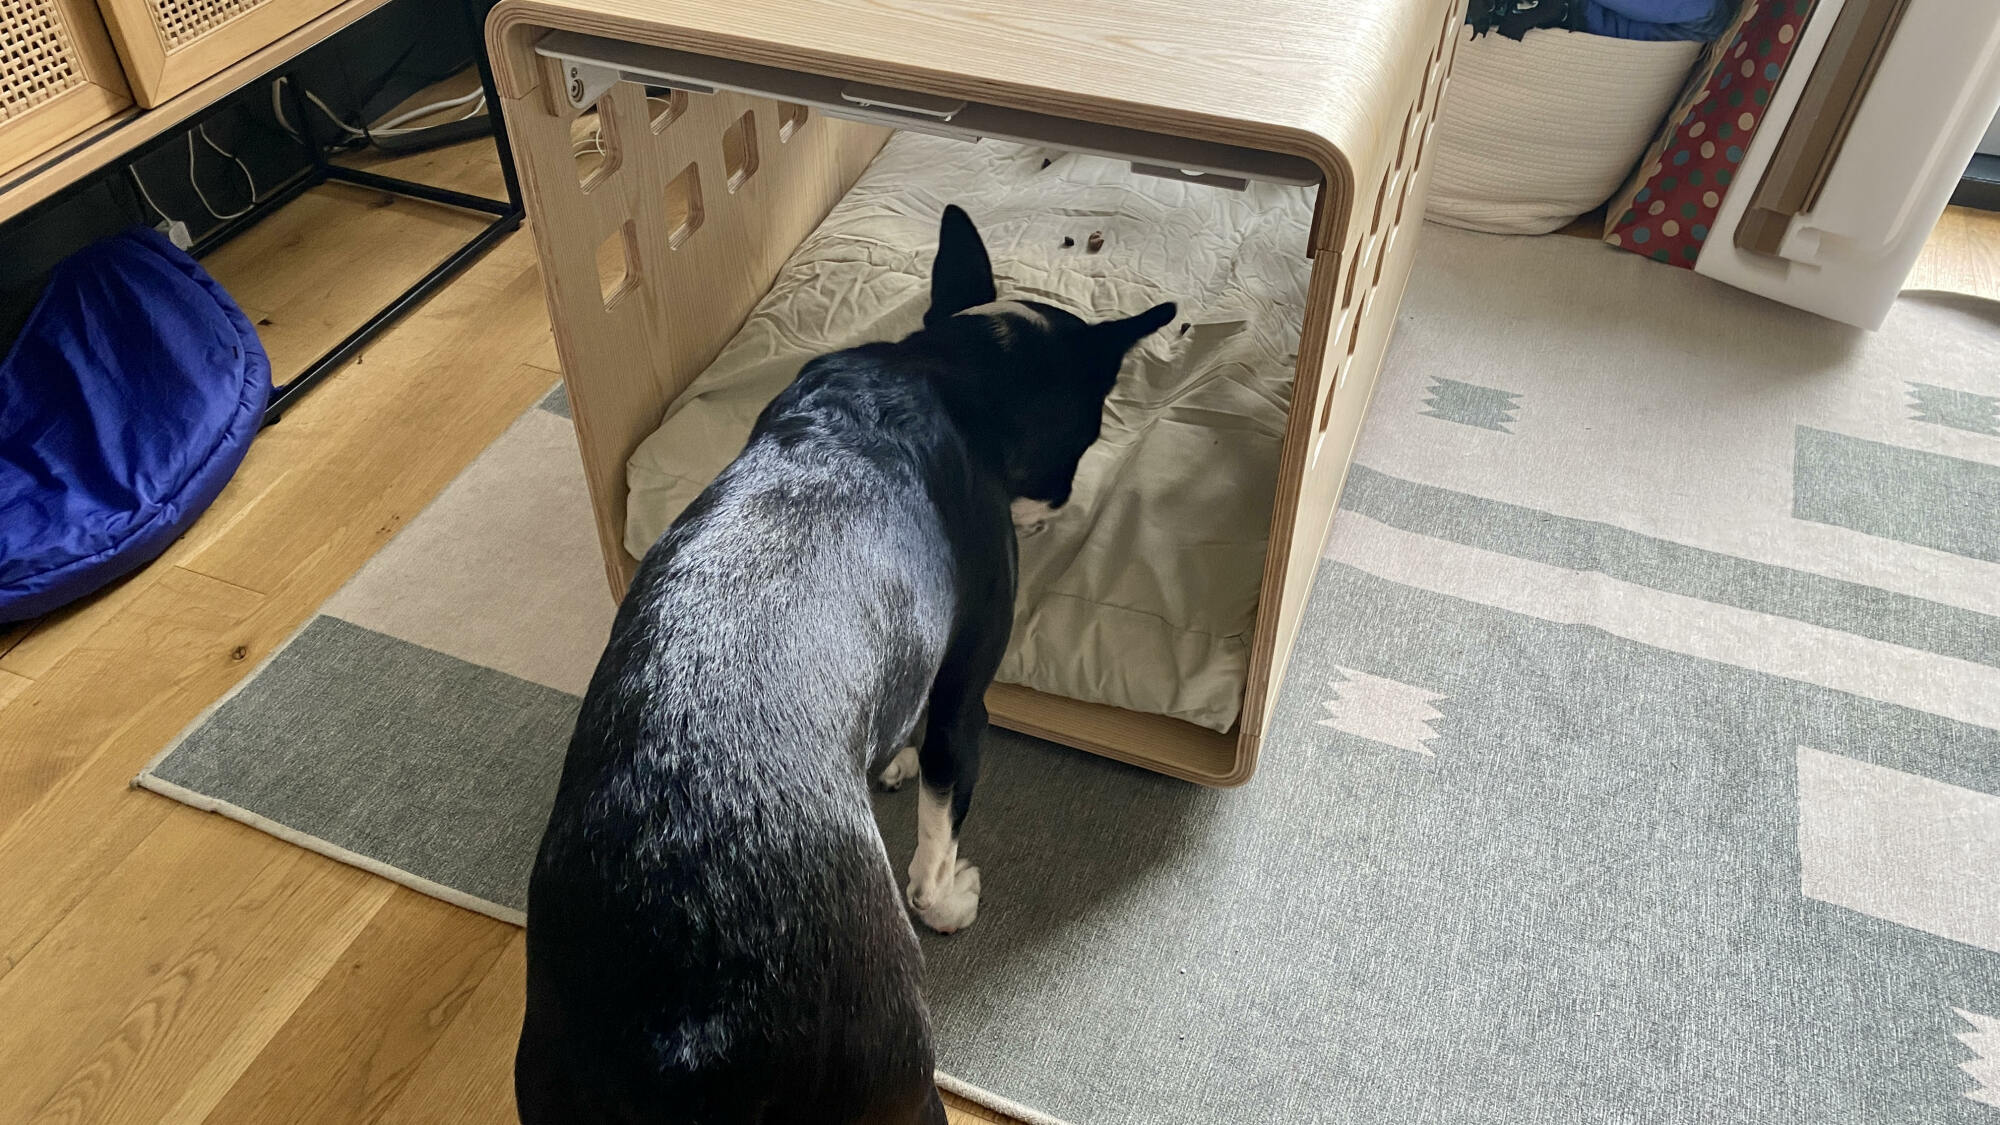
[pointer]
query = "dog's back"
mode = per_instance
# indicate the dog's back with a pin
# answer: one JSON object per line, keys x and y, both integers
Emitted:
{"x": 715, "y": 936}
{"x": 712, "y": 909}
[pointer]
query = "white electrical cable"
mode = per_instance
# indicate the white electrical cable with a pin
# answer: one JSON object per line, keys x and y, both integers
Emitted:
{"x": 278, "y": 111}
{"x": 255, "y": 195}
{"x": 391, "y": 128}
{"x": 427, "y": 110}
{"x": 198, "y": 194}
{"x": 350, "y": 130}
{"x": 477, "y": 109}
{"x": 146, "y": 195}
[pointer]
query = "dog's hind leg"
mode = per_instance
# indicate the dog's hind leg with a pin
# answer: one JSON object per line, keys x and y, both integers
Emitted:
{"x": 903, "y": 764}
{"x": 934, "y": 1113}
{"x": 944, "y": 888}
{"x": 900, "y": 769}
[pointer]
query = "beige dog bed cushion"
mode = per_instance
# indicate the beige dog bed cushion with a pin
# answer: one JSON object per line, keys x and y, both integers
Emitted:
{"x": 1142, "y": 592}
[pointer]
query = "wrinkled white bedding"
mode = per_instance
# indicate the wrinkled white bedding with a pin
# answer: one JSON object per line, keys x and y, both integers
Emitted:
{"x": 1142, "y": 592}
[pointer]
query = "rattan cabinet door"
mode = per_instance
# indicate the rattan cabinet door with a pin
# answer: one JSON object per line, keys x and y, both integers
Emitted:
{"x": 170, "y": 45}
{"x": 58, "y": 76}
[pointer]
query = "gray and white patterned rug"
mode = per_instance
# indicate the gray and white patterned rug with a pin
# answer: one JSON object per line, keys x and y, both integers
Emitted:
{"x": 1640, "y": 762}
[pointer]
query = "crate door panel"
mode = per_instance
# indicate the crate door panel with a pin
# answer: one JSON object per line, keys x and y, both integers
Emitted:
{"x": 170, "y": 45}
{"x": 58, "y": 76}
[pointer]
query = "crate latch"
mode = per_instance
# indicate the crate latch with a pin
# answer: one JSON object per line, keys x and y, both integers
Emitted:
{"x": 586, "y": 80}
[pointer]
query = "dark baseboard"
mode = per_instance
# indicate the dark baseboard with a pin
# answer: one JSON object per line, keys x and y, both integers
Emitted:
{"x": 1980, "y": 186}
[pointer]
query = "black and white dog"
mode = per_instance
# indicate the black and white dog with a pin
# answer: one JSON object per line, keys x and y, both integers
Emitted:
{"x": 715, "y": 935}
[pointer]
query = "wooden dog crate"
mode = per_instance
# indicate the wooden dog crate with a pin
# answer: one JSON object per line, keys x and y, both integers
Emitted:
{"x": 655, "y": 256}
{"x": 58, "y": 76}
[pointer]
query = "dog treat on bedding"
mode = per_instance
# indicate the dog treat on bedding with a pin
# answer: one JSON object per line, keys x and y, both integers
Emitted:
{"x": 1096, "y": 242}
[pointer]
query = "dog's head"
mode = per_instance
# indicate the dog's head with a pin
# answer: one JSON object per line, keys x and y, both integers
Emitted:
{"x": 1043, "y": 373}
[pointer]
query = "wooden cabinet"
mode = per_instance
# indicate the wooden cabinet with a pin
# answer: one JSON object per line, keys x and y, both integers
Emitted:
{"x": 58, "y": 77}
{"x": 170, "y": 45}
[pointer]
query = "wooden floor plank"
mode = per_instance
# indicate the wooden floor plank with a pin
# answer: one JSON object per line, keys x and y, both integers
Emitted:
{"x": 13, "y": 634}
{"x": 353, "y": 1047}
{"x": 204, "y": 931}
{"x": 357, "y": 507}
{"x": 55, "y": 634}
{"x": 1962, "y": 255}
{"x": 345, "y": 231}
{"x": 437, "y": 394}
{"x": 71, "y": 742}
{"x": 172, "y": 629}
{"x": 11, "y": 685}
{"x": 469, "y": 1075}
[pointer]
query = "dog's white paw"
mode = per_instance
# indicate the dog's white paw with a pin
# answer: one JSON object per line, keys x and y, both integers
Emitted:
{"x": 951, "y": 907}
{"x": 900, "y": 769}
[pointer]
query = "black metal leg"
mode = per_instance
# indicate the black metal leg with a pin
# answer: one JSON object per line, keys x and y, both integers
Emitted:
{"x": 295, "y": 92}
{"x": 286, "y": 192}
{"x": 507, "y": 213}
{"x": 425, "y": 192}
{"x": 475, "y": 21}
{"x": 284, "y": 396}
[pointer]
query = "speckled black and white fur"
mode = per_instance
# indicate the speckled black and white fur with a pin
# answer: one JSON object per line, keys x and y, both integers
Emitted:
{"x": 715, "y": 934}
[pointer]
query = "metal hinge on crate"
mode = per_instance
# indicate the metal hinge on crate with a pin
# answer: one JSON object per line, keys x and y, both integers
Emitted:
{"x": 592, "y": 65}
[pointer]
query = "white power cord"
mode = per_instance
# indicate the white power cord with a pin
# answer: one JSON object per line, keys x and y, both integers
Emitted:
{"x": 146, "y": 195}
{"x": 390, "y": 128}
{"x": 478, "y": 95}
{"x": 278, "y": 111}
{"x": 196, "y": 184}
{"x": 255, "y": 195}
{"x": 478, "y": 109}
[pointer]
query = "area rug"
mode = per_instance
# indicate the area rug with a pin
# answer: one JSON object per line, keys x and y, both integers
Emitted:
{"x": 1640, "y": 761}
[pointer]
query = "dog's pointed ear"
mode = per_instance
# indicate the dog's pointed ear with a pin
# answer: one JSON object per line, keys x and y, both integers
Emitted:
{"x": 1113, "y": 338}
{"x": 962, "y": 276}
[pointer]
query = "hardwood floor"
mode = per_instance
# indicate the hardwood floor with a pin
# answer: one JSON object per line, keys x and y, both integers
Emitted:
{"x": 158, "y": 964}
{"x": 1962, "y": 256}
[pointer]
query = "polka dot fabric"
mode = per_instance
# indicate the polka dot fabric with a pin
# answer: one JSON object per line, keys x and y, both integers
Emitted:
{"x": 1665, "y": 211}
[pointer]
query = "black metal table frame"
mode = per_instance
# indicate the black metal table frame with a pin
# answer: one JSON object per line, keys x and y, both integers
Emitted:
{"x": 507, "y": 213}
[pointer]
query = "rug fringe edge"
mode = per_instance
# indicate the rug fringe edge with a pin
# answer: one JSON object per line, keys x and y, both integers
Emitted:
{"x": 994, "y": 1102}
{"x": 152, "y": 781}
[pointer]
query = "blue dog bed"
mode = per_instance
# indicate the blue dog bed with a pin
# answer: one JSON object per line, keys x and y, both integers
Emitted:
{"x": 125, "y": 406}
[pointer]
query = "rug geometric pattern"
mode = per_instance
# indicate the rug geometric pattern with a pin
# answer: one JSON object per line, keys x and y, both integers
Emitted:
{"x": 1639, "y": 764}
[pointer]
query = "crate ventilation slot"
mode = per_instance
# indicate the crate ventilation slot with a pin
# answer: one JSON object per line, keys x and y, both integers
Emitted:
{"x": 591, "y": 65}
